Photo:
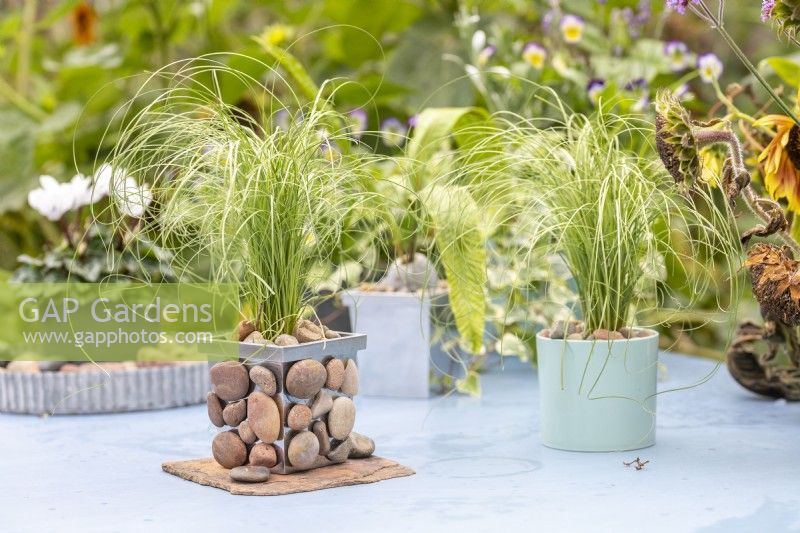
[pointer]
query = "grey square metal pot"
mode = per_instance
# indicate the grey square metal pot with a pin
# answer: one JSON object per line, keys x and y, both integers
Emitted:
{"x": 402, "y": 351}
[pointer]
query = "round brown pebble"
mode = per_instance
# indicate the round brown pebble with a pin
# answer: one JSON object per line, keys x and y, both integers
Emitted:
{"x": 321, "y": 431}
{"x": 24, "y": 367}
{"x": 335, "y": 369}
{"x": 229, "y": 450}
{"x": 605, "y": 335}
{"x": 246, "y": 433}
{"x": 340, "y": 451}
{"x": 264, "y": 378}
{"x": 362, "y": 446}
{"x": 230, "y": 380}
{"x": 285, "y": 340}
{"x": 263, "y": 454}
{"x": 235, "y": 412}
{"x": 299, "y": 417}
{"x": 255, "y": 338}
{"x": 350, "y": 381}
{"x": 341, "y": 418}
{"x": 307, "y": 331}
{"x": 330, "y": 334}
{"x": 245, "y": 328}
{"x": 305, "y": 378}
{"x": 321, "y": 404}
{"x": 250, "y": 474}
{"x": 264, "y": 417}
{"x": 303, "y": 449}
{"x": 214, "y": 410}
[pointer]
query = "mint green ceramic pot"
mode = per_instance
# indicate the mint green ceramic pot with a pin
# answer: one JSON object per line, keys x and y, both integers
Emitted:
{"x": 598, "y": 396}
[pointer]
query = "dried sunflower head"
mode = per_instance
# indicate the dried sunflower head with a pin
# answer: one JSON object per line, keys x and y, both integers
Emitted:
{"x": 776, "y": 283}
{"x": 785, "y": 13}
{"x": 675, "y": 141}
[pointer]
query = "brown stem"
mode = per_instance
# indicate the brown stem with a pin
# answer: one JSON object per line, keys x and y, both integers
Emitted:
{"x": 64, "y": 226}
{"x": 705, "y": 137}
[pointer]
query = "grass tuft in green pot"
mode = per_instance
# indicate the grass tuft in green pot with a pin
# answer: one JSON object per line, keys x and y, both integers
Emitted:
{"x": 591, "y": 197}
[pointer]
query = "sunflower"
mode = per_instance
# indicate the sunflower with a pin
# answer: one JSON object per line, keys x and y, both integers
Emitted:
{"x": 675, "y": 139}
{"x": 84, "y": 19}
{"x": 781, "y": 160}
{"x": 776, "y": 283}
{"x": 712, "y": 163}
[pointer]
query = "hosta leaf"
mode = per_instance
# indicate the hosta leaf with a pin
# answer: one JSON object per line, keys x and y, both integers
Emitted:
{"x": 292, "y": 66}
{"x": 787, "y": 69}
{"x": 435, "y": 126}
{"x": 461, "y": 245}
{"x": 471, "y": 384}
{"x": 510, "y": 344}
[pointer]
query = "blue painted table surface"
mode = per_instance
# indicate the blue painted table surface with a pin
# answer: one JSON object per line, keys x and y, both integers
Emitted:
{"x": 724, "y": 461}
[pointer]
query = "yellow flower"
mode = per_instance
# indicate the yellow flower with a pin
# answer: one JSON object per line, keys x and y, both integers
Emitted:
{"x": 781, "y": 159}
{"x": 712, "y": 160}
{"x": 572, "y": 28}
{"x": 534, "y": 55}
{"x": 277, "y": 34}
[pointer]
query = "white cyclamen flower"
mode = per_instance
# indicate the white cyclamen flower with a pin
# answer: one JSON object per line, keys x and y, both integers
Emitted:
{"x": 102, "y": 181}
{"x": 51, "y": 199}
{"x": 132, "y": 198}
{"x": 478, "y": 41}
{"x": 80, "y": 190}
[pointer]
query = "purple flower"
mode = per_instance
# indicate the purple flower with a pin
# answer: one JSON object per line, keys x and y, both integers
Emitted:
{"x": 393, "y": 132}
{"x": 680, "y": 5}
{"x": 572, "y": 28}
{"x": 535, "y": 55}
{"x": 412, "y": 121}
{"x": 330, "y": 151}
{"x": 547, "y": 20}
{"x": 678, "y": 55}
{"x": 486, "y": 54}
{"x": 709, "y": 67}
{"x": 766, "y": 9}
{"x": 638, "y": 83}
{"x": 594, "y": 88}
{"x": 358, "y": 122}
{"x": 682, "y": 92}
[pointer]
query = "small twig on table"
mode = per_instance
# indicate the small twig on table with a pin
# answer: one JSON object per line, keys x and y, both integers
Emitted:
{"x": 637, "y": 463}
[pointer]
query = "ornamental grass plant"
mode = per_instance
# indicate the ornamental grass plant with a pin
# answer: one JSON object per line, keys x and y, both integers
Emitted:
{"x": 237, "y": 200}
{"x": 588, "y": 193}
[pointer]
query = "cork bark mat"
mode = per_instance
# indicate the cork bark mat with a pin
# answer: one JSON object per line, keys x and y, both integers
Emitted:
{"x": 352, "y": 472}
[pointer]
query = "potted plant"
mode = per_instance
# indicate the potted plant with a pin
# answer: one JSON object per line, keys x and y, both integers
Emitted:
{"x": 610, "y": 216}
{"x": 432, "y": 236}
{"x": 84, "y": 247}
{"x": 261, "y": 207}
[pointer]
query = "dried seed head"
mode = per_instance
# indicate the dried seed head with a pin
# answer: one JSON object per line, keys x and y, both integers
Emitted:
{"x": 793, "y": 146}
{"x": 674, "y": 139}
{"x": 786, "y": 15}
{"x": 776, "y": 283}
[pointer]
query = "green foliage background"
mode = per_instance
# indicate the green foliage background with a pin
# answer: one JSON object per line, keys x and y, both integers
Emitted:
{"x": 59, "y": 96}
